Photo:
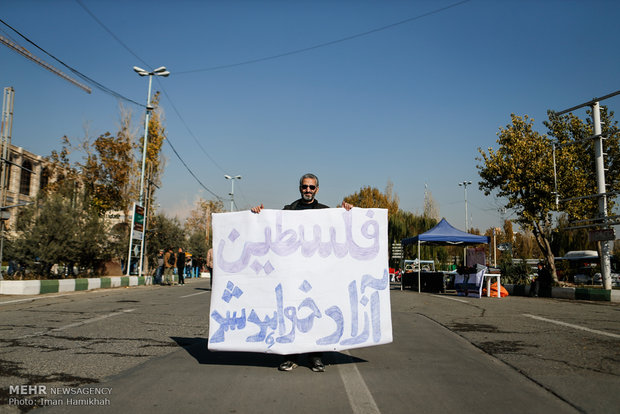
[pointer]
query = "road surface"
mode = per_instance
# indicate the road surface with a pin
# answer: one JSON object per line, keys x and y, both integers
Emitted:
{"x": 143, "y": 350}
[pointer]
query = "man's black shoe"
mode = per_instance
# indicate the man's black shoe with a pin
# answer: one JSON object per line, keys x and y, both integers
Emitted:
{"x": 317, "y": 365}
{"x": 287, "y": 366}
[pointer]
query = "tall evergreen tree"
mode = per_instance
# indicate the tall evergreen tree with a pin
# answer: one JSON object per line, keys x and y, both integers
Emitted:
{"x": 61, "y": 228}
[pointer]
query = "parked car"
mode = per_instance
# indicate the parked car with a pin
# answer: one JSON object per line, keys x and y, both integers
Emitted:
{"x": 582, "y": 279}
{"x": 598, "y": 279}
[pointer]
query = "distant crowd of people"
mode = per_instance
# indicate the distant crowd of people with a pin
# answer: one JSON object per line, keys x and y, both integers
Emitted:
{"x": 181, "y": 264}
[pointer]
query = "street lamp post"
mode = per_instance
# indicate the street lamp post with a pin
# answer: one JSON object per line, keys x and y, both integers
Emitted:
{"x": 232, "y": 188}
{"x": 465, "y": 184}
{"x": 161, "y": 71}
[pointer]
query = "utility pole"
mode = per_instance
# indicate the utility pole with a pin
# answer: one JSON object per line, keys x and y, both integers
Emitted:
{"x": 494, "y": 247}
{"x": 604, "y": 233}
{"x": 5, "y": 131}
{"x": 602, "y": 197}
{"x": 207, "y": 225}
{"x": 147, "y": 212}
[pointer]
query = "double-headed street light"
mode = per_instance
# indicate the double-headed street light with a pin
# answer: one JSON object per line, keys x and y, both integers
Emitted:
{"x": 160, "y": 71}
{"x": 232, "y": 188}
{"x": 465, "y": 184}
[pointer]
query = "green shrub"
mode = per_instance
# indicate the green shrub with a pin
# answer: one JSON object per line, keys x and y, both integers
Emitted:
{"x": 517, "y": 274}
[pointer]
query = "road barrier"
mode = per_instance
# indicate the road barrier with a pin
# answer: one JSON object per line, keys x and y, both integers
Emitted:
{"x": 567, "y": 293}
{"x": 35, "y": 287}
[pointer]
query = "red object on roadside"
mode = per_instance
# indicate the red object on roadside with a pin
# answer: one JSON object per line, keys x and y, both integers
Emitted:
{"x": 503, "y": 293}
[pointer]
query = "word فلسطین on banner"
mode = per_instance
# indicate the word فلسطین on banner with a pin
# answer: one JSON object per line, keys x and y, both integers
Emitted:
{"x": 287, "y": 242}
{"x": 284, "y": 316}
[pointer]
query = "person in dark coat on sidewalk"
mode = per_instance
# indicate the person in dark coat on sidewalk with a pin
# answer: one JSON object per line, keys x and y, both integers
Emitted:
{"x": 181, "y": 265}
{"x": 542, "y": 282}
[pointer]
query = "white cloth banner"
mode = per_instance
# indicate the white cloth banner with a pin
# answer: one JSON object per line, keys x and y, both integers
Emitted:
{"x": 289, "y": 282}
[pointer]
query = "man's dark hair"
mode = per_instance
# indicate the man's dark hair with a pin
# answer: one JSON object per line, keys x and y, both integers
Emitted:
{"x": 309, "y": 175}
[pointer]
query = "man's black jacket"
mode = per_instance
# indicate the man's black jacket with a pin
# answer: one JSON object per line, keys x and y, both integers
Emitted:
{"x": 300, "y": 205}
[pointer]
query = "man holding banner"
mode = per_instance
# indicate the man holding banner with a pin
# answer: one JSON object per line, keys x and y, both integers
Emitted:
{"x": 300, "y": 282}
{"x": 308, "y": 188}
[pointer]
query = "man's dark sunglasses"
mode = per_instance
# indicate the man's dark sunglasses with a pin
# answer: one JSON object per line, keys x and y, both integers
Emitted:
{"x": 304, "y": 186}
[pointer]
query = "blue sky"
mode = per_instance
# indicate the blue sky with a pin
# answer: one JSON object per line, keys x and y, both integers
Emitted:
{"x": 410, "y": 104}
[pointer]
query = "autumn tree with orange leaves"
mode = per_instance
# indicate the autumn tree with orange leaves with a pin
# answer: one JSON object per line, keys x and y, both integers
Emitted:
{"x": 371, "y": 197}
{"x": 198, "y": 225}
{"x": 109, "y": 169}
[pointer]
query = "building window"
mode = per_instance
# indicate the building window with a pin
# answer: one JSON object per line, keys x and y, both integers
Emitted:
{"x": 45, "y": 178}
{"x": 9, "y": 167}
{"x": 24, "y": 182}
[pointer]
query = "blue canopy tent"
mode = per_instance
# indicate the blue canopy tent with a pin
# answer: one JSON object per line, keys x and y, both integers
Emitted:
{"x": 444, "y": 234}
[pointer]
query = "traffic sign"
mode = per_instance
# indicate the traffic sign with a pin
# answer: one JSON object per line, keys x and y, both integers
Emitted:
{"x": 137, "y": 222}
{"x": 138, "y": 218}
{"x": 504, "y": 246}
{"x": 602, "y": 235}
{"x": 397, "y": 251}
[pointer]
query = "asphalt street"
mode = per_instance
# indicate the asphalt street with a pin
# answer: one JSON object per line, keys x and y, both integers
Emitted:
{"x": 143, "y": 350}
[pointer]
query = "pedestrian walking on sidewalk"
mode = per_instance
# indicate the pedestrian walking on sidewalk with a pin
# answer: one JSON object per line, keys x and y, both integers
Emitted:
{"x": 169, "y": 264}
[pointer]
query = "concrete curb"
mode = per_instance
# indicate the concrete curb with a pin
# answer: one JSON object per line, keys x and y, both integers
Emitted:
{"x": 36, "y": 287}
{"x": 568, "y": 293}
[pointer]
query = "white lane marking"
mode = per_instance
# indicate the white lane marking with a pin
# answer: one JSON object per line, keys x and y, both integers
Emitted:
{"x": 73, "y": 325}
{"x": 570, "y": 325}
{"x": 447, "y": 297}
{"x": 359, "y": 395}
{"x": 194, "y": 294}
{"x": 26, "y": 300}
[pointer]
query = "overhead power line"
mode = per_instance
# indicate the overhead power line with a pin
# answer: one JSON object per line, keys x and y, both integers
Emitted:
{"x": 325, "y": 44}
{"x": 111, "y": 33}
{"x": 24, "y": 52}
{"x": 190, "y": 171}
{"x": 134, "y": 54}
{"x": 75, "y": 71}
{"x": 240, "y": 190}
{"x": 188, "y": 128}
